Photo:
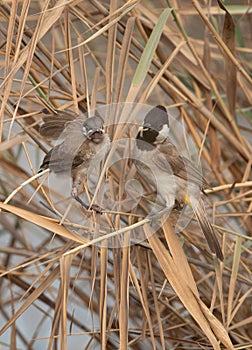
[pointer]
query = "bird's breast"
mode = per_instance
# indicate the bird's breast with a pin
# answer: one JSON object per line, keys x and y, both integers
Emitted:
{"x": 168, "y": 186}
{"x": 90, "y": 153}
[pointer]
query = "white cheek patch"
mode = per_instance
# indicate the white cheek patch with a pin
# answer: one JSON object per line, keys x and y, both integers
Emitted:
{"x": 163, "y": 134}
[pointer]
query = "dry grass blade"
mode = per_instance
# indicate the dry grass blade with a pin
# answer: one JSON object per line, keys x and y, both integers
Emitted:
{"x": 143, "y": 303}
{"x": 11, "y": 29}
{"x": 233, "y": 278}
{"x": 179, "y": 257}
{"x": 32, "y": 298}
{"x": 239, "y": 305}
{"x": 43, "y": 222}
{"x": 159, "y": 75}
{"x": 65, "y": 268}
{"x": 124, "y": 298}
{"x": 50, "y": 18}
{"x": 103, "y": 296}
{"x": 182, "y": 289}
{"x": 124, "y": 55}
{"x": 228, "y": 36}
{"x": 216, "y": 326}
{"x": 142, "y": 290}
{"x": 100, "y": 282}
{"x": 124, "y": 9}
{"x": 111, "y": 55}
{"x": 224, "y": 47}
{"x": 155, "y": 298}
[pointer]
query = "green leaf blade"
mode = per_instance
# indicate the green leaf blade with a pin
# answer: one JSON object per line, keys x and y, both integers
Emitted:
{"x": 150, "y": 48}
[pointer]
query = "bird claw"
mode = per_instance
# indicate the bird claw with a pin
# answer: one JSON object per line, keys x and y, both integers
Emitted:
{"x": 96, "y": 208}
{"x": 93, "y": 207}
{"x": 178, "y": 205}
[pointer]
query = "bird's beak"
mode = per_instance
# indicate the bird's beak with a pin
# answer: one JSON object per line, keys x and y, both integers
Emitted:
{"x": 92, "y": 132}
{"x": 140, "y": 130}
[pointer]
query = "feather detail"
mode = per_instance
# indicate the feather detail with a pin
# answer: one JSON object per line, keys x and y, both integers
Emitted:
{"x": 200, "y": 213}
{"x": 55, "y": 123}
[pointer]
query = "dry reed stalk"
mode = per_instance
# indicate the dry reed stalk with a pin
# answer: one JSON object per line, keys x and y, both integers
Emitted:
{"x": 166, "y": 292}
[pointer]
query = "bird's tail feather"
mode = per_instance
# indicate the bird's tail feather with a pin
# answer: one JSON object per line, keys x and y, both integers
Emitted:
{"x": 200, "y": 213}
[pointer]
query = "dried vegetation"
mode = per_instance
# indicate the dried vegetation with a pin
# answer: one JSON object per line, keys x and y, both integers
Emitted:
{"x": 59, "y": 290}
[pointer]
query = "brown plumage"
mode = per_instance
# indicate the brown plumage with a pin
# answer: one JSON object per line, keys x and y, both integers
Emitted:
{"x": 82, "y": 141}
{"x": 55, "y": 123}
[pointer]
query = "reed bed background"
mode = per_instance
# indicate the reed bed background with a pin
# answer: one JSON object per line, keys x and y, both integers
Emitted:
{"x": 60, "y": 291}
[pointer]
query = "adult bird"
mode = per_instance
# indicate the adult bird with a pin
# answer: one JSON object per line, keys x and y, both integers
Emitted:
{"x": 84, "y": 140}
{"x": 174, "y": 177}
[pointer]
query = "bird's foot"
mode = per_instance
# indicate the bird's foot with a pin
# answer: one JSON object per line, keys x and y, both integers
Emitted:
{"x": 93, "y": 207}
{"x": 178, "y": 205}
{"x": 96, "y": 208}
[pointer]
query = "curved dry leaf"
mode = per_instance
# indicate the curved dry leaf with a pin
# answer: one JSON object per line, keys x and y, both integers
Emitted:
{"x": 216, "y": 326}
{"x": 179, "y": 256}
{"x": 183, "y": 290}
{"x": 42, "y": 222}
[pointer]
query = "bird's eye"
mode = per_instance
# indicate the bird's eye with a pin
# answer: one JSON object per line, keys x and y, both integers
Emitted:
{"x": 84, "y": 130}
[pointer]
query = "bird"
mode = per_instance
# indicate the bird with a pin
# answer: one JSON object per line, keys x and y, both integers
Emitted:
{"x": 84, "y": 140}
{"x": 174, "y": 177}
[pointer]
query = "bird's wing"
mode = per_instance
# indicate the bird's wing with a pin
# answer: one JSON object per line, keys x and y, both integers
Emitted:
{"x": 61, "y": 158}
{"x": 66, "y": 126}
{"x": 55, "y": 123}
{"x": 168, "y": 156}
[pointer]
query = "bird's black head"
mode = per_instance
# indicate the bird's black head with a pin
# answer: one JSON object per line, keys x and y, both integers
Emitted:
{"x": 155, "y": 127}
{"x": 93, "y": 129}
